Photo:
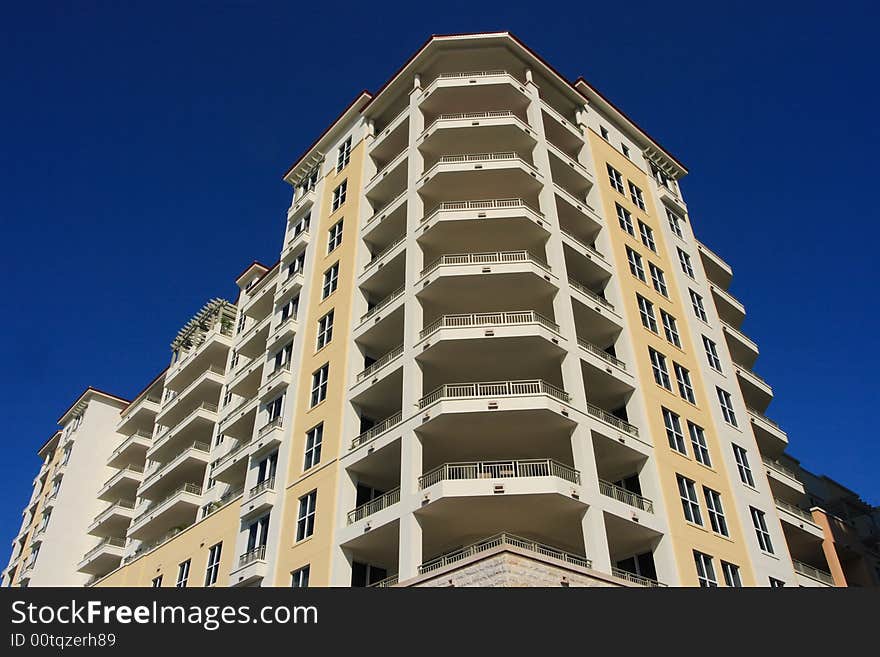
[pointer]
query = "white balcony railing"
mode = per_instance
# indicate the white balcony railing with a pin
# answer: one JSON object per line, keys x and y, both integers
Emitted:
{"x": 627, "y": 497}
{"x": 487, "y": 204}
{"x": 779, "y": 467}
{"x": 499, "y": 470}
{"x": 500, "y": 257}
{"x": 374, "y": 506}
{"x": 501, "y": 540}
{"x": 380, "y": 363}
{"x": 795, "y": 510}
{"x": 376, "y": 430}
{"x": 613, "y": 420}
{"x": 635, "y": 579}
{"x": 601, "y": 353}
{"x": 509, "y": 318}
{"x": 188, "y": 488}
{"x": 461, "y": 116}
{"x": 382, "y": 304}
{"x": 813, "y": 572}
{"x": 583, "y": 289}
{"x": 388, "y": 249}
{"x": 269, "y": 426}
{"x": 493, "y": 389}
{"x": 111, "y": 541}
{"x": 255, "y": 554}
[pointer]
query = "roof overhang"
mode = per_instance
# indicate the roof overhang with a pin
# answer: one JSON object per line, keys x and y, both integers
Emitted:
{"x": 83, "y": 400}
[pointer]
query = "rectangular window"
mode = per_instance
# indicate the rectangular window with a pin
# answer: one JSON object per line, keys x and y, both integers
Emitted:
{"x": 213, "y": 564}
{"x": 297, "y": 266}
{"x": 742, "y": 465}
{"x": 760, "y": 522}
{"x": 646, "y": 311}
{"x": 604, "y": 132}
{"x": 299, "y": 579}
{"x": 289, "y": 310}
{"x": 314, "y": 440}
{"x": 343, "y": 155}
{"x": 731, "y": 575}
{"x": 624, "y": 149}
{"x": 282, "y": 357}
{"x": 670, "y": 328}
{"x": 301, "y": 226}
{"x": 636, "y": 195}
{"x": 624, "y": 218}
{"x": 776, "y": 583}
{"x": 258, "y": 535}
{"x": 615, "y": 178}
{"x": 726, "y": 406}
{"x": 157, "y": 582}
{"x": 305, "y": 522}
{"x": 685, "y": 261}
{"x": 334, "y": 238}
{"x": 697, "y": 303}
{"x": 658, "y": 366}
{"x": 674, "y": 223}
{"x": 658, "y": 280}
{"x": 325, "y": 330}
{"x": 331, "y": 281}
{"x": 647, "y": 235}
{"x": 183, "y": 573}
{"x": 635, "y": 264}
{"x": 690, "y": 503}
{"x": 712, "y": 354}
{"x": 275, "y": 408}
{"x": 683, "y": 378}
{"x": 716, "y": 511}
{"x": 339, "y": 195}
{"x": 319, "y": 384}
{"x": 705, "y": 570}
{"x": 673, "y": 431}
{"x": 698, "y": 442}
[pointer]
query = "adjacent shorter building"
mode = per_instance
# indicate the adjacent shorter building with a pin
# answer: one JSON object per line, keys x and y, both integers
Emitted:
{"x": 492, "y": 352}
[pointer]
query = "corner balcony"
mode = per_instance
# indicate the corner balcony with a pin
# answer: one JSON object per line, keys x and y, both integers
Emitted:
{"x": 140, "y": 413}
{"x": 114, "y": 520}
{"x": 104, "y": 557}
{"x": 743, "y": 349}
{"x": 132, "y": 450}
{"x": 780, "y": 474}
{"x": 198, "y": 425}
{"x": 251, "y": 569}
{"x": 123, "y": 484}
{"x": 486, "y": 131}
{"x": 175, "y": 511}
{"x": 188, "y": 465}
{"x": 444, "y": 221}
{"x": 810, "y": 576}
{"x": 771, "y": 439}
{"x": 717, "y": 270}
{"x": 259, "y": 499}
{"x": 798, "y": 518}
{"x": 478, "y": 175}
{"x": 487, "y": 89}
{"x": 756, "y": 392}
{"x": 567, "y": 172}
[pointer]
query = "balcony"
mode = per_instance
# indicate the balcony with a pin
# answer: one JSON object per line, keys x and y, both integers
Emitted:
{"x": 281, "y": 333}
{"x": 494, "y": 389}
{"x": 246, "y": 379}
{"x": 672, "y": 199}
{"x": 374, "y": 506}
{"x": 743, "y": 350}
{"x": 239, "y": 421}
{"x": 492, "y": 470}
{"x": 443, "y": 223}
{"x": 188, "y": 465}
{"x": 717, "y": 270}
{"x": 279, "y": 377}
{"x": 815, "y": 575}
{"x": 374, "y": 368}
{"x": 231, "y": 468}
{"x": 392, "y": 137}
{"x": 798, "y": 518}
{"x": 478, "y": 175}
{"x": 594, "y": 301}
{"x": 389, "y": 181}
{"x": 612, "y": 420}
{"x": 132, "y": 450}
{"x": 771, "y": 439}
{"x": 568, "y": 173}
{"x": 259, "y": 499}
{"x": 139, "y": 414}
{"x": 383, "y": 308}
{"x": 635, "y": 579}
{"x": 780, "y": 474}
{"x": 211, "y": 348}
{"x": 485, "y": 90}
{"x": 485, "y": 131}
{"x": 123, "y": 484}
{"x": 204, "y": 389}
{"x": 104, "y": 557}
{"x": 730, "y": 309}
{"x": 252, "y": 342}
{"x": 756, "y": 392}
{"x": 175, "y": 511}
{"x": 381, "y": 258}
{"x": 114, "y": 520}
{"x": 251, "y": 569}
{"x": 626, "y": 497}
{"x": 298, "y": 241}
{"x": 198, "y": 425}
{"x": 299, "y": 206}
{"x": 377, "y": 430}
{"x": 289, "y": 287}
{"x": 390, "y": 213}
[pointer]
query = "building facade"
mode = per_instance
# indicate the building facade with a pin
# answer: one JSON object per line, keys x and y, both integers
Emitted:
{"x": 492, "y": 352}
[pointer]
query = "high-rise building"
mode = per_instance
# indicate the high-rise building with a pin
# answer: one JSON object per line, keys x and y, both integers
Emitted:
{"x": 492, "y": 352}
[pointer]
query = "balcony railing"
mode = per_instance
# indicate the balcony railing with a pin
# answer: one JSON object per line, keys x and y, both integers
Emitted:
{"x": 382, "y": 304}
{"x": 795, "y": 510}
{"x": 580, "y": 287}
{"x": 501, "y": 540}
{"x": 141, "y": 433}
{"x": 388, "y": 249}
{"x": 504, "y": 156}
{"x": 105, "y": 513}
{"x": 601, "y": 353}
{"x": 500, "y": 257}
{"x": 111, "y": 541}
{"x": 459, "y": 116}
{"x": 584, "y": 245}
{"x": 380, "y": 363}
{"x": 779, "y": 467}
{"x": 230, "y": 454}
{"x": 173, "y": 396}
{"x": 613, "y": 420}
{"x": 255, "y": 554}
{"x": 146, "y": 547}
{"x": 472, "y": 74}
{"x": 136, "y": 469}
{"x": 636, "y": 579}
{"x": 499, "y": 470}
{"x": 383, "y": 210}
{"x": 266, "y": 484}
{"x": 812, "y": 571}
{"x": 374, "y": 506}
{"x": 488, "y": 204}
{"x": 627, "y": 497}
{"x": 192, "y": 489}
{"x": 284, "y": 367}
{"x": 166, "y": 433}
{"x": 178, "y": 458}
{"x": 376, "y": 430}
{"x": 389, "y": 581}
{"x": 269, "y": 426}
{"x": 493, "y": 389}
{"x": 510, "y": 318}
{"x": 228, "y": 496}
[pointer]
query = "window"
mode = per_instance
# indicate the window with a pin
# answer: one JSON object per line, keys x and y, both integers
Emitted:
{"x": 339, "y": 195}
{"x": 698, "y": 442}
{"x": 636, "y": 195}
{"x": 776, "y": 583}
{"x": 712, "y": 354}
{"x": 683, "y": 378}
{"x": 213, "y": 564}
{"x": 615, "y": 178}
{"x": 674, "y": 222}
{"x": 635, "y": 264}
{"x": 716, "y": 511}
{"x": 646, "y": 311}
{"x": 242, "y": 321}
{"x": 325, "y": 329}
{"x": 705, "y": 570}
{"x": 335, "y": 236}
{"x": 314, "y": 439}
{"x": 309, "y": 182}
{"x": 697, "y": 303}
{"x": 290, "y": 309}
{"x": 297, "y": 266}
{"x": 283, "y": 356}
{"x": 670, "y": 328}
{"x": 183, "y": 574}
{"x": 301, "y": 226}
{"x": 157, "y": 582}
{"x": 258, "y": 535}
{"x": 658, "y": 280}
{"x": 299, "y": 579}
{"x": 624, "y": 149}
{"x": 673, "y": 431}
{"x": 275, "y": 407}
{"x": 726, "y": 406}
{"x": 624, "y": 218}
{"x": 742, "y": 465}
{"x": 658, "y": 366}
{"x": 343, "y": 155}
{"x": 331, "y": 281}
{"x": 685, "y": 261}
{"x": 690, "y": 504}
{"x": 305, "y": 523}
{"x": 227, "y": 397}
{"x": 266, "y": 469}
{"x": 731, "y": 575}
{"x": 604, "y": 132}
{"x": 647, "y": 235}
{"x": 319, "y": 384}
{"x": 760, "y": 522}
{"x": 233, "y": 363}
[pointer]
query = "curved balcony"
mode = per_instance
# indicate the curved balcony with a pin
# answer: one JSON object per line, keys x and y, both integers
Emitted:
{"x": 475, "y": 175}
{"x": 443, "y": 223}
{"x": 486, "y": 131}
{"x": 487, "y": 89}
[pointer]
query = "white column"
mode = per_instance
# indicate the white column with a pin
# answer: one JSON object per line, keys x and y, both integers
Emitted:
{"x": 410, "y": 546}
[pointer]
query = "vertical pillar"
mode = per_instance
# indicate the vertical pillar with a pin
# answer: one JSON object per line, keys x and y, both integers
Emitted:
{"x": 410, "y": 545}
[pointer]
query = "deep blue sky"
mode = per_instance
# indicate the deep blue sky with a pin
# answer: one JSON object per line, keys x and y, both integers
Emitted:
{"x": 143, "y": 147}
